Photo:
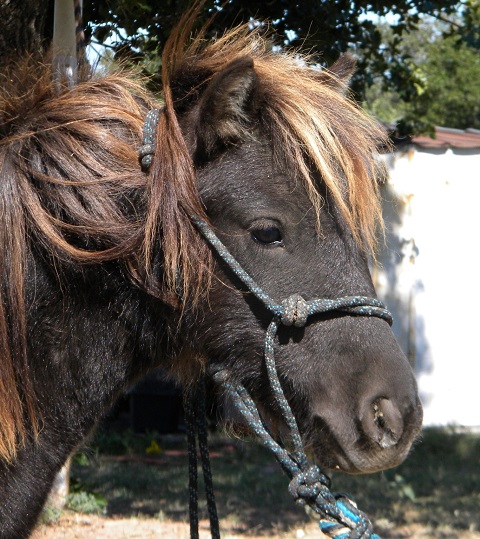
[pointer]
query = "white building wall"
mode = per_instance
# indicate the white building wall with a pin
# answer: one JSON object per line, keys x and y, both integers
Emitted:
{"x": 429, "y": 276}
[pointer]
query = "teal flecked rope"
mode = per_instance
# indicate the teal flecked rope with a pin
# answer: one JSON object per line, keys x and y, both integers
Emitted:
{"x": 340, "y": 518}
{"x": 361, "y": 305}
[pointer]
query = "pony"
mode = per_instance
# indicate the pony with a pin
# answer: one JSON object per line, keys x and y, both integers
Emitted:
{"x": 104, "y": 276}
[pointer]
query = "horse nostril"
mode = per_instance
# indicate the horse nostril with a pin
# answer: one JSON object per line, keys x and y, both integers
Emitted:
{"x": 383, "y": 423}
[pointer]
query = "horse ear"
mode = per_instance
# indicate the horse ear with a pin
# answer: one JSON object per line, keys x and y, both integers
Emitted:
{"x": 226, "y": 106}
{"x": 338, "y": 76}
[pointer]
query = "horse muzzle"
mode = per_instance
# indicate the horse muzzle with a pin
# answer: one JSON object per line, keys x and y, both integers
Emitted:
{"x": 378, "y": 437}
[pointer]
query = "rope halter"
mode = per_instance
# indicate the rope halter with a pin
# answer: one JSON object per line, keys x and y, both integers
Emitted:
{"x": 339, "y": 516}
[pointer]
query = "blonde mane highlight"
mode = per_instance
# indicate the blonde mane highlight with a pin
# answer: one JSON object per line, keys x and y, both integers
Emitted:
{"x": 316, "y": 125}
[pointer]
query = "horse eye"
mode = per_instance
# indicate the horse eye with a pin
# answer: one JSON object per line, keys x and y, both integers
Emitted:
{"x": 270, "y": 235}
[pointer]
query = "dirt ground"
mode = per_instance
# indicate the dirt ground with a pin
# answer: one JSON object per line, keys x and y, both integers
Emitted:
{"x": 78, "y": 526}
{"x": 94, "y": 527}
{"x": 435, "y": 494}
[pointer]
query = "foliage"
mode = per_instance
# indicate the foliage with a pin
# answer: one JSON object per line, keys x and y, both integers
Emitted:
{"x": 87, "y": 502}
{"x": 118, "y": 443}
{"x": 81, "y": 498}
{"x": 127, "y": 442}
{"x": 389, "y": 75}
{"x": 450, "y": 94}
{"x": 417, "y": 70}
{"x": 50, "y": 515}
{"x": 445, "y": 74}
{"x": 322, "y": 28}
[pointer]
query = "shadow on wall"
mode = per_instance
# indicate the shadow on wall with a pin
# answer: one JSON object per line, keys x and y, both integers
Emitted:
{"x": 397, "y": 281}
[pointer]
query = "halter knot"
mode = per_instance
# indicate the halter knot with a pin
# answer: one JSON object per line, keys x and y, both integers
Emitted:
{"x": 294, "y": 311}
{"x": 341, "y": 518}
{"x": 306, "y": 486}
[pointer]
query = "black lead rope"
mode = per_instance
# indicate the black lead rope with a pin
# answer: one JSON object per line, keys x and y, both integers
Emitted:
{"x": 194, "y": 402}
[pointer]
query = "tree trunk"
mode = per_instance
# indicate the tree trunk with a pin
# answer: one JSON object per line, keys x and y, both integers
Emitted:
{"x": 25, "y": 26}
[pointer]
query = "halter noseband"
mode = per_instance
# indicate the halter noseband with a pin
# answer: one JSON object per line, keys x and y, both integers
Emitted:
{"x": 308, "y": 485}
{"x": 340, "y": 518}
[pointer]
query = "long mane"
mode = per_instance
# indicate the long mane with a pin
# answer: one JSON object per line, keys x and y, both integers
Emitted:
{"x": 71, "y": 184}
